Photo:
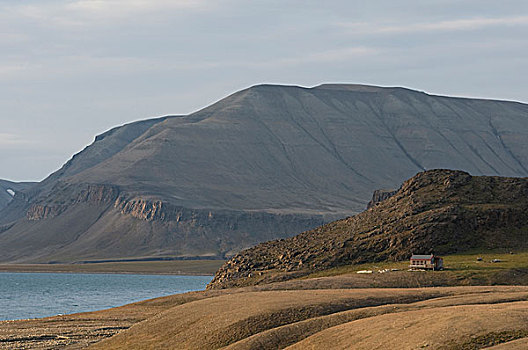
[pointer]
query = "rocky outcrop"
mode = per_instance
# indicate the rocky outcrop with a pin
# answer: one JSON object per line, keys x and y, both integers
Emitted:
{"x": 40, "y": 212}
{"x": 379, "y": 196}
{"x": 142, "y": 209}
{"x": 440, "y": 211}
{"x": 68, "y": 196}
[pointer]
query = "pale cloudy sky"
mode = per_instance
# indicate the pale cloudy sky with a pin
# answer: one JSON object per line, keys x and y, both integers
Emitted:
{"x": 72, "y": 69}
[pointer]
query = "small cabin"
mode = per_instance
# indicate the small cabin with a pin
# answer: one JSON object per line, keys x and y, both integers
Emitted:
{"x": 426, "y": 262}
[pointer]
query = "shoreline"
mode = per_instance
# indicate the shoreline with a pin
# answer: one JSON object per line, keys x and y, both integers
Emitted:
{"x": 175, "y": 267}
{"x": 111, "y": 273}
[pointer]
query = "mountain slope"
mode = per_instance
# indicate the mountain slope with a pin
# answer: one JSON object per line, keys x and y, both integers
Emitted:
{"x": 8, "y": 190}
{"x": 265, "y": 162}
{"x": 441, "y": 211}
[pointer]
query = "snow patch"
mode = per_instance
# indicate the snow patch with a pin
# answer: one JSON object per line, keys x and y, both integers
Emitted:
{"x": 11, "y": 192}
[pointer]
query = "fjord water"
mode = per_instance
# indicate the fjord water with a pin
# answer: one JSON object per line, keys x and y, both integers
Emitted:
{"x": 31, "y": 295}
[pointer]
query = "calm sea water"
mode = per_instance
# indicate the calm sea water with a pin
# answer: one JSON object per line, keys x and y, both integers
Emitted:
{"x": 30, "y": 295}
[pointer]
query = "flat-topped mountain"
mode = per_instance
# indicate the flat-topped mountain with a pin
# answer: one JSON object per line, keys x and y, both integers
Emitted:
{"x": 289, "y": 149}
{"x": 264, "y": 163}
{"x": 440, "y": 211}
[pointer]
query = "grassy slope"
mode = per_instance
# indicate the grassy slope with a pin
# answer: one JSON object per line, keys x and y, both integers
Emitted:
{"x": 458, "y": 267}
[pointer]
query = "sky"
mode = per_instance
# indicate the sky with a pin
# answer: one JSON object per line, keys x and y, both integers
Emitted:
{"x": 70, "y": 70}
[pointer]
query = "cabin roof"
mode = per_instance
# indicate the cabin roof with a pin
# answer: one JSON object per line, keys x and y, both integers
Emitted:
{"x": 421, "y": 257}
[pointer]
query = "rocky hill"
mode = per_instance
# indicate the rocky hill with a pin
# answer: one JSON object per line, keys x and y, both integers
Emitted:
{"x": 437, "y": 211}
{"x": 264, "y": 163}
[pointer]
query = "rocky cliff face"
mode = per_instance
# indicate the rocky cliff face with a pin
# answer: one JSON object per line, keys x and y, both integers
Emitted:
{"x": 438, "y": 211}
{"x": 143, "y": 209}
{"x": 39, "y": 212}
{"x": 136, "y": 227}
{"x": 379, "y": 196}
{"x": 69, "y": 196}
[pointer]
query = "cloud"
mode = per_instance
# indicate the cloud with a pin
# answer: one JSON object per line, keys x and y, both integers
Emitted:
{"x": 102, "y": 6}
{"x": 11, "y": 70}
{"x": 10, "y": 38}
{"x": 328, "y": 56}
{"x": 81, "y": 13}
{"x": 83, "y": 65}
{"x": 439, "y": 26}
{"x": 342, "y": 54}
{"x": 9, "y": 140}
{"x": 126, "y": 8}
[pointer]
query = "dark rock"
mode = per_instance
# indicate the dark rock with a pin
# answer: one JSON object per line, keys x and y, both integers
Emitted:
{"x": 379, "y": 196}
